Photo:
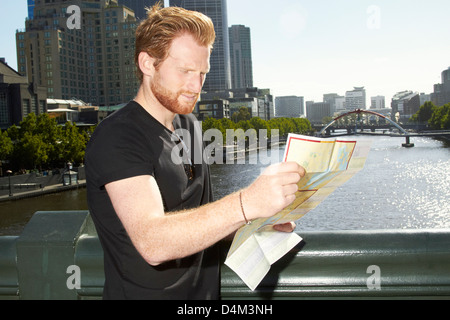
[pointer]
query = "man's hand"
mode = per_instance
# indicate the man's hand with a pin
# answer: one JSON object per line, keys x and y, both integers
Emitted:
{"x": 285, "y": 227}
{"x": 272, "y": 191}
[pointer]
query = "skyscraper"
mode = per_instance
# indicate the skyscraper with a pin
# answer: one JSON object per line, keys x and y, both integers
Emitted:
{"x": 86, "y": 53}
{"x": 441, "y": 94}
{"x": 241, "y": 57}
{"x": 219, "y": 77}
{"x": 139, "y": 6}
{"x": 31, "y": 4}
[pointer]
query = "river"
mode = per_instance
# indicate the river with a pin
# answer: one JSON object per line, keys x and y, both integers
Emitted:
{"x": 399, "y": 188}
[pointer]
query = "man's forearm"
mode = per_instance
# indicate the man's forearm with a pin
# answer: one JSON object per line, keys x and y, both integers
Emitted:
{"x": 181, "y": 234}
{"x": 161, "y": 237}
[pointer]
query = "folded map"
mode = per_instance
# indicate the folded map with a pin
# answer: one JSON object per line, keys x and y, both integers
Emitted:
{"x": 329, "y": 163}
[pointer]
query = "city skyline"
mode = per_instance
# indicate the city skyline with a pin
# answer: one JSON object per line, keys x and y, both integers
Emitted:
{"x": 333, "y": 46}
{"x": 306, "y": 49}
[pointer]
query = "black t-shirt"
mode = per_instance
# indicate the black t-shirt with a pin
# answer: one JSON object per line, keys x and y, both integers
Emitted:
{"x": 131, "y": 143}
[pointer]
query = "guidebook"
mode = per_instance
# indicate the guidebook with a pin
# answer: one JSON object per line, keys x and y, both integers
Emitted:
{"x": 329, "y": 163}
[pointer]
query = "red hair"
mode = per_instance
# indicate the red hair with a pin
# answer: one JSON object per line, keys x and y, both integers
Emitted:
{"x": 162, "y": 25}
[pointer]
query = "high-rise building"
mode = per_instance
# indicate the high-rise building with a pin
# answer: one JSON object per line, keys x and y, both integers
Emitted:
{"x": 219, "y": 77}
{"x": 31, "y": 4}
{"x": 80, "y": 49}
{"x": 241, "y": 57}
{"x": 317, "y": 111}
{"x": 258, "y": 101}
{"x": 289, "y": 107}
{"x": 355, "y": 99}
{"x": 377, "y": 102}
{"x": 334, "y": 100}
{"x": 441, "y": 94}
{"x": 139, "y": 6}
{"x": 404, "y": 104}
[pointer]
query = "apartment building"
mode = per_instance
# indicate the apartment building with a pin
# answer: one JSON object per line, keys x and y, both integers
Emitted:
{"x": 86, "y": 52}
{"x": 355, "y": 99}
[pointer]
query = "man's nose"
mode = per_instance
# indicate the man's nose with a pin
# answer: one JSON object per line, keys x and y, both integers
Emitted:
{"x": 196, "y": 82}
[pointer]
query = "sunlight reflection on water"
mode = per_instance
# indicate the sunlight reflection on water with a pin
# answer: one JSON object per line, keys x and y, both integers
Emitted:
{"x": 398, "y": 188}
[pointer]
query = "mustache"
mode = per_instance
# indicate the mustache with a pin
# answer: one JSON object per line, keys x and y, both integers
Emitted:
{"x": 190, "y": 94}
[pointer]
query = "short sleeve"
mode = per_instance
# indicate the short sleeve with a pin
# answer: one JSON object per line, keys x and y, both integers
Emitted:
{"x": 117, "y": 153}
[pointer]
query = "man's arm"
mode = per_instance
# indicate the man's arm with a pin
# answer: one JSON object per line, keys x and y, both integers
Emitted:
{"x": 161, "y": 237}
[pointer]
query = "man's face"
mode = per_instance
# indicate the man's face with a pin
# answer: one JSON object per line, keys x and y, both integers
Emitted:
{"x": 178, "y": 81}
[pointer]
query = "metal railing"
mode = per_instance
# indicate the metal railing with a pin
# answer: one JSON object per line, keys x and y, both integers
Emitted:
{"x": 58, "y": 256}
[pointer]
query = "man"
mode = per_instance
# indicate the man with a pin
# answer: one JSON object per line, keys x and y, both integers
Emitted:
{"x": 154, "y": 216}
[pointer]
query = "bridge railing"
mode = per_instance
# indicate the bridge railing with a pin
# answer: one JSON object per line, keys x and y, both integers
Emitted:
{"x": 58, "y": 256}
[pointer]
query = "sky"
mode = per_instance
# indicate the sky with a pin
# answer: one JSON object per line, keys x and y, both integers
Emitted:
{"x": 309, "y": 48}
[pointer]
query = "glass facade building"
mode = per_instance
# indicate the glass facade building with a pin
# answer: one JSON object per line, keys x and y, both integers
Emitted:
{"x": 241, "y": 57}
{"x": 219, "y": 77}
{"x": 139, "y": 6}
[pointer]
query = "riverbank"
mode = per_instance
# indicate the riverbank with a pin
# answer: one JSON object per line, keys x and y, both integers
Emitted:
{"x": 37, "y": 184}
{"x": 43, "y": 191}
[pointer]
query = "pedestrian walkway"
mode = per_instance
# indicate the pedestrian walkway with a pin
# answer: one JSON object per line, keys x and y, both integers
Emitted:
{"x": 46, "y": 190}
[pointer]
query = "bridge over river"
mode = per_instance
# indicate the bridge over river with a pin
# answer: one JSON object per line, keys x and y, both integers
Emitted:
{"x": 384, "y": 127}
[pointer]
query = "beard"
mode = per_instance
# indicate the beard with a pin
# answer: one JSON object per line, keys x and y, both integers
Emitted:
{"x": 170, "y": 100}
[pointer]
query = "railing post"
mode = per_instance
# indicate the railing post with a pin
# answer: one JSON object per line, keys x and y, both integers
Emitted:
{"x": 9, "y": 281}
{"x": 45, "y": 251}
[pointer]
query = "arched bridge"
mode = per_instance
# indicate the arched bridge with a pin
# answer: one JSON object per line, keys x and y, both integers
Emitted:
{"x": 354, "y": 129}
{"x": 359, "y": 112}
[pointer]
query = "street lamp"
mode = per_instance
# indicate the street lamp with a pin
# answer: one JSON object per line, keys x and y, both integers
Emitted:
{"x": 9, "y": 172}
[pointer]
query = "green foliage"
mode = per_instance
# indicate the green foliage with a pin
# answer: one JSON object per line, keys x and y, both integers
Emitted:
{"x": 243, "y": 115}
{"x": 6, "y": 146}
{"x": 39, "y": 143}
{"x": 438, "y": 118}
{"x": 283, "y": 125}
{"x": 424, "y": 114}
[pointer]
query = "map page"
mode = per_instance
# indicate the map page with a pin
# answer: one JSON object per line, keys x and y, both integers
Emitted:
{"x": 329, "y": 163}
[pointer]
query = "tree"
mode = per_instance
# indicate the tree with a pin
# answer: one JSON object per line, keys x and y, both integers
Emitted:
{"x": 31, "y": 151}
{"x": 212, "y": 123}
{"x": 242, "y": 115}
{"x": 6, "y": 146}
{"x": 424, "y": 114}
{"x": 227, "y": 123}
{"x": 40, "y": 142}
{"x": 73, "y": 144}
{"x": 440, "y": 119}
{"x": 50, "y": 133}
{"x": 35, "y": 141}
{"x": 302, "y": 125}
{"x": 258, "y": 124}
{"x": 327, "y": 120}
{"x": 283, "y": 125}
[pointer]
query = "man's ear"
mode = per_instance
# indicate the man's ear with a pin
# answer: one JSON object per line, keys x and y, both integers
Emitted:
{"x": 146, "y": 64}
